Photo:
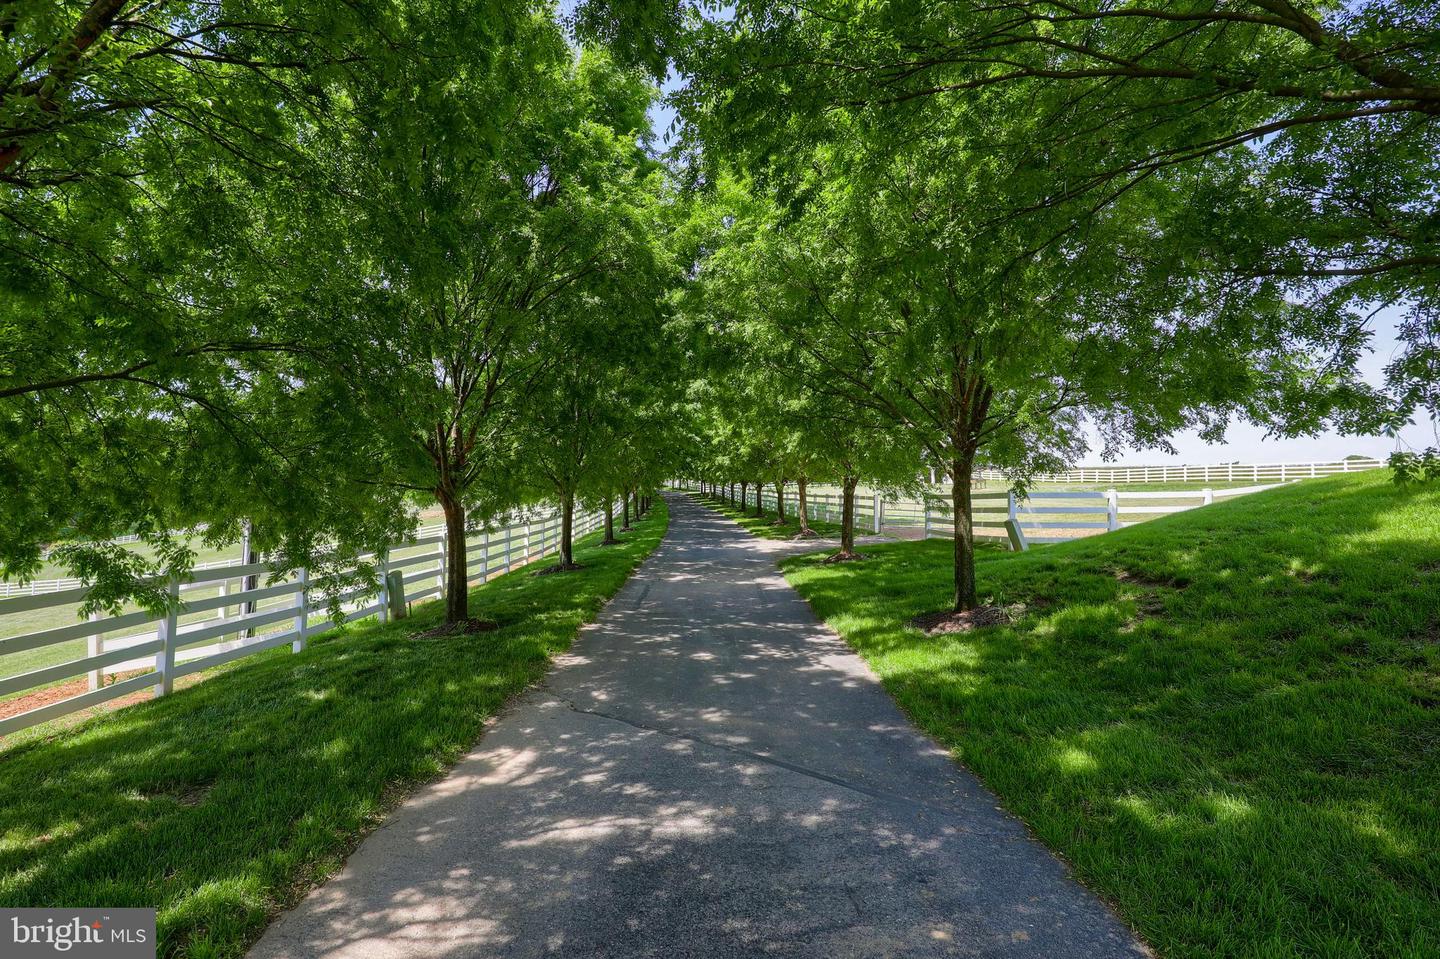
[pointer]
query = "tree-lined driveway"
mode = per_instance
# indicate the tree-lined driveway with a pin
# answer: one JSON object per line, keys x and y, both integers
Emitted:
{"x": 710, "y": 772}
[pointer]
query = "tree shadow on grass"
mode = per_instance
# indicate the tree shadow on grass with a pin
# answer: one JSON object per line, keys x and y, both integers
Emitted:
{"x": 1229, "y": 720}
{"x": 767, "y": 524}
{"x": 223, "y": 803}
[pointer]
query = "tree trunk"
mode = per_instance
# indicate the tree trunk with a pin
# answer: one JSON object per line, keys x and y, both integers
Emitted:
{"x": 625, "y": 498}
{"x": 567, "y": 531}
{"x": 847, "y": 515}
{"x": 780, "y": 502}
{"x": 457, "y": 588}
{"x": 744, "y": 496}
{"x": 609, "y": 539}
{"x": 759, "y": 498}
{"x": 804, "y": 511}
{"x": 960, "y": 508}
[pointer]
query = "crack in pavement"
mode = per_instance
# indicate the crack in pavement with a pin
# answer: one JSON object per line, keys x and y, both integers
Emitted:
{"x": 806, "y": 771}
{"x": 635, "y": 804}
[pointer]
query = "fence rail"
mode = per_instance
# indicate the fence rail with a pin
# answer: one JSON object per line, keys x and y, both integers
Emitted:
{"x": 37, "y": 587}
{"x": 227, "y": 623}
{"x": 1041, "y": 517}
{"x": 1254, "y": 473}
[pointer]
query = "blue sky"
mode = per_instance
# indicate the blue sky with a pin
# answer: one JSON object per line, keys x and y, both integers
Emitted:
{"x": 1243, "y": 442}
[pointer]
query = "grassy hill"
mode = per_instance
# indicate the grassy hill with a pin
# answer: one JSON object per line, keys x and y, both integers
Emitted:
{"x": 1228, "y": 720}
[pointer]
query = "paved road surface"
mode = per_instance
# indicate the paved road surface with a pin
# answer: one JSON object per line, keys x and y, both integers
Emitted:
{"x": 709, "y": 773}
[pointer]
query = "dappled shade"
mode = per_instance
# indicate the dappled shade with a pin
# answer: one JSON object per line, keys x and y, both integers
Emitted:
{"x": 222, "y": 804}
{"x": 1226, "y": 720}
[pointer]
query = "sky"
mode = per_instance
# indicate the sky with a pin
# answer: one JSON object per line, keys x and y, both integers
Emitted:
{"x": 1243, "y": 442}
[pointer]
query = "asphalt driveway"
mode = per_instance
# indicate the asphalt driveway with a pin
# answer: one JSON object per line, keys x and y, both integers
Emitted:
{"x": 710, "y": 772}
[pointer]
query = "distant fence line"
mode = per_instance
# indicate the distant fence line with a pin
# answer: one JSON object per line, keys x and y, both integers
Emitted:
{"x": 37, "y": 587}
{"x": 1041, "y": 517}
{"x": 1060, "y": 516}
{"x": 1209, "y": 473}
{"x": 166, "y": 649}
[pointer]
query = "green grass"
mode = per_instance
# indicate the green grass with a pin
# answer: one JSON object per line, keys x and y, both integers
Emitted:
{"x": 222, "y": 804}
{"x": 1228, "y": 721}
{"x": 764, "y": 524}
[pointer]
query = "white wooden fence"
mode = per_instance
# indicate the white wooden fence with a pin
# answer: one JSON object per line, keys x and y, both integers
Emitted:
{"x": 1056, "y": 517}
{"x": 36, "y": 587}
{"x": 1254, "y": 473}
{"x": 1042, "y": 517}
{"x": 176, "y": 643}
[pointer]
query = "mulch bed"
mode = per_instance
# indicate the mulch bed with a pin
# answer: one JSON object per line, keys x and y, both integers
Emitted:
{"x": 843, "y": 557}
{"x": 465, "y": 627}
{"x": 949, "y": 621}
{"x": 559, "y": 568}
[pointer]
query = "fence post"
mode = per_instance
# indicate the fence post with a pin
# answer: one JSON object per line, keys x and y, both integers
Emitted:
{"x": 925, "y": 508}
{"x": 395, "y": 593}
{"x": 302, "y": 610}
{"x": 1209, "y": 496}
{"x": 1112, "y": 509}
{"x": 1010, "y": 512}
{"x": 879, "y": 508}
{"x": 384, "y": 615}
{"x": 1016, "y": 535}
{"x": 166, "y": 633}
{"x": 94, "y": 646}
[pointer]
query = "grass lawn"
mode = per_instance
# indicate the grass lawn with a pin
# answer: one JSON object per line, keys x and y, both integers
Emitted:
{"x": 1228, "y": 721}
{"x": 221, "y": 805}
{"x": 764, "y": 525}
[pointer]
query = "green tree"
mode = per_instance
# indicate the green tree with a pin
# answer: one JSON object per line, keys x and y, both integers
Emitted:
{"x": 494, "y": 251}
{"x": 607, "y": 350}
{"x": 1299, "y": 143}
{"x": 994, "y": 349}
{"x": 164, "y": 189}
{"x": 787, "y": 417}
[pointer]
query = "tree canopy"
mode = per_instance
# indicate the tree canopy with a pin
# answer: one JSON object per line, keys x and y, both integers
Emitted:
{"x": 310, "y": 271}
